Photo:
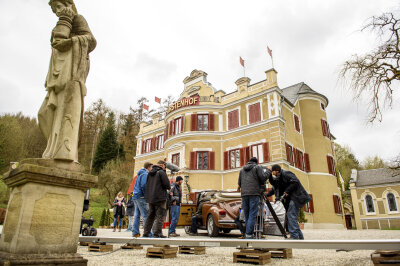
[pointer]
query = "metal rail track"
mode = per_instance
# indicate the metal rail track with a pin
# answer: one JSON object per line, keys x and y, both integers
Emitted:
{"x": 373, "y": 244}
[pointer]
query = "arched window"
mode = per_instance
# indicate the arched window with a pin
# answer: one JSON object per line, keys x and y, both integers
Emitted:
{"x": 391, "y": 200}
{"x": 369, "y": 202}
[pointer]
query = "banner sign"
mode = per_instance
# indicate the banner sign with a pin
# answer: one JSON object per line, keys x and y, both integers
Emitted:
{"x": 183, "y": 103}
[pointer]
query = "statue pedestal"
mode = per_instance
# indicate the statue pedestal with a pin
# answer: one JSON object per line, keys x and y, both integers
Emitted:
{"x": 44, "y": 213}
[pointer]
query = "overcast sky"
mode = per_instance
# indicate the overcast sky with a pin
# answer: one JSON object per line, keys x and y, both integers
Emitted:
{"x": 147, "y": 48}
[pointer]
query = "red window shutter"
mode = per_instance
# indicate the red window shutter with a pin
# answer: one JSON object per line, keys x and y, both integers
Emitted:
{"x": 182, "y": 123}
{"x": 330, "y": 170}
{"x": 242, "y": 156}
{"x": 166, "y": 132}
{"x": 257, "y": 112}
{"x": 143, "y": 146}
{"x": 193, "y": 122}
{"x": 296, "y": 123}
{"x": 335, "y": 204}
{"x": 211, "y": 156}
{"x": 287, "y": 153}
{"x": 156, "y": 142}
{"x": 193, "y": 160}
{"x": 235, "y": 119}
{"x": 226, "y": 161}
{"x": 171, "y": 127}
{"x": 251, "y": 114}
{"x": 311, "y": 204}
{"x": 301, "y": 160}
{"x": 265, "y": 147}
{"x": 307, "y": 162}
{"x": 324, "y": 128}
{"x": 247, "y": 154}
{"x": 211, "y": 122}
{"x": 230, "y": 120}
{"x": 296, "y": 159}
{"x": 151, "y": 144}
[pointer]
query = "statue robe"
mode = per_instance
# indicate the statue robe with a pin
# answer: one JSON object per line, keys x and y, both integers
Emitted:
{"x": 61, "y": 113}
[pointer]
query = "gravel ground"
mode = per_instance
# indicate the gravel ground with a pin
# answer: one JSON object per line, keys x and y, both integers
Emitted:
{"x": 223, "y": 255}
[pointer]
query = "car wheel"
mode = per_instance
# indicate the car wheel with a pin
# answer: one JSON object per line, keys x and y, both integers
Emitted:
{"x": 93, "y": 231}
{"x": 212, "y": 228}
{"x": 226, "y": 230}
{"x": 187, "y": 229}
{"x": 85, "y": 232}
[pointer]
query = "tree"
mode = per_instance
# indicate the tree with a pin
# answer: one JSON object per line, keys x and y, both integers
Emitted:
{"x": 376, "y": 73}
{"x": 165, "y": 104}
{"x": 112, "y": 179}
{"x": 107, "y": 148}
{"x": 345, "y": 161}
{"x": 103, "y": 218}
{"x": 373, "y": 162}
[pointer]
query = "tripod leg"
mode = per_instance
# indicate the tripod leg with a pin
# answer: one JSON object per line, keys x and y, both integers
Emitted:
{"x": 276, "y": 218}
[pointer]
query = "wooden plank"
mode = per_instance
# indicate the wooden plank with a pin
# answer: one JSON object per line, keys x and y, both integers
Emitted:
{"x": 258, "y": 256}
{"x": 131, "y": 246}
{"x": 84, "y": 243}
{"x": 192, "y": 250}
{"x": 283, "y": 253}
{"x": 385, "y": 259}
{"x": 162, "y": 256}
{"x": 100, "y": 248}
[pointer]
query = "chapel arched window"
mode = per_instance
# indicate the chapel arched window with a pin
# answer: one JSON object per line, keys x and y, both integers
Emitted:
{"x": 391, "y": 200}
{"x": 369, "y": 202}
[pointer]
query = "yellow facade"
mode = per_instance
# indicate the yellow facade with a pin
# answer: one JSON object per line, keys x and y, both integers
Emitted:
{"x": 377, "y": 185}
{"x": 264, "y": 114}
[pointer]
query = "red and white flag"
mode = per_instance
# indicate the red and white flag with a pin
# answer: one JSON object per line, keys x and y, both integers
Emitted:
{"x": 269, "y": 51}
{"x": 158, "y": 100}
{"x": 146, "y": 107}
{"x": 241, "y": 61}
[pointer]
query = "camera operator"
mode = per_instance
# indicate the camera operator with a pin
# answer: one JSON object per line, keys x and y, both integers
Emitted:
{"x": 288, "y": 189}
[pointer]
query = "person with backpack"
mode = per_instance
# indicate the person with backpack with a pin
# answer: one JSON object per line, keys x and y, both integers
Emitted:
{"x": 176, "y": 200}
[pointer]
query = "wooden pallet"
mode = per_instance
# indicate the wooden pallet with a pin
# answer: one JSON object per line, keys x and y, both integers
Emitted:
{"x": 100, "y": 247}
{"x": 131, "y": 246}
{"x": 163, "y": 252}
{"x": 192, "y": 250}
{"x": 256, "y": 256}
{"x": 283, "y": 253}
{"x": 84, "y": 243}
{"x": 386, "y": 257}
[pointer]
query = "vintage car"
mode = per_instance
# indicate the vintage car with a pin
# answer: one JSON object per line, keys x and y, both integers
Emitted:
{"x": 219, "y": 210}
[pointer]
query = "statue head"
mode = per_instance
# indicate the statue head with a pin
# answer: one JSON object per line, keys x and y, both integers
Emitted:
{"x": 58, "y": 6}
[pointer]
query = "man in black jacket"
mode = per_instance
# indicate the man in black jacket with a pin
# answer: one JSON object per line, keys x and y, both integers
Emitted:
{"x": 288, "y": 189}
{"x": 251, "y": 183}
{"x": 156, "y": 196}
{"x": 176, "y": 200}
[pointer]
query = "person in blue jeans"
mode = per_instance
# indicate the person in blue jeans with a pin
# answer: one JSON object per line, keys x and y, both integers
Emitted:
{"x": 119, "y": 210}
{"x": 251, "y": 184}
{"x": 141, "y": 206}
{"x": 130, "y": 211}
{"x": 176, "y": 200}
{"x": 288, "y": 189}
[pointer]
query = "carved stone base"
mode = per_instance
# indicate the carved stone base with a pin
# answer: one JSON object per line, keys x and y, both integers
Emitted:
{"x": 42, "y": 259}
{"x": 44, "y": 213}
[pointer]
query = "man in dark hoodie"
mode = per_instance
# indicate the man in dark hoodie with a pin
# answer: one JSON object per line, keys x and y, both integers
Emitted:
{"x": 251, "y": 183}
{"x": 156, "y": 196}
{"x": 288, "y": 189}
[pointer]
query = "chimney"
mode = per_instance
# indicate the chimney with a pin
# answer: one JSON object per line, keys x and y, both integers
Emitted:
{"x": 271, "y": 78}
{"x": 156, "y": 118}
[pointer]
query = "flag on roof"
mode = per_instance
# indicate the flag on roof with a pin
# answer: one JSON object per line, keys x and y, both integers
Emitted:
{"x": 269, "y": 51}
{"x": 145, "y": 106}
{"x": 241, "y": 61}
{"x": 158, "y": 100}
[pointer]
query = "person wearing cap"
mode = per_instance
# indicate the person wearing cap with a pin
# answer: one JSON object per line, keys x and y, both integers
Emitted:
{"x": 176, "y": 200}
{"x": 251, "y": 184}
{"x": 156, "y": 195}
{"x": 287, "y": 188}
{"x": 130, "y": 209}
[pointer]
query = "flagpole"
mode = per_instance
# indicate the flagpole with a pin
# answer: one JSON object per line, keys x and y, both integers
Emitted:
{"x": 244, "y": 71}
{"x": 272, "y": 59}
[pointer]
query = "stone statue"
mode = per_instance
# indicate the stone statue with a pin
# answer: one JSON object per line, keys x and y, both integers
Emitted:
{"x": 60, "y": 115}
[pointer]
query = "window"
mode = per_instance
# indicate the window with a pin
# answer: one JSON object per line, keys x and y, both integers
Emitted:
{"x": 369, "y": 203}
{"x": 257, "y": 151}
{"x": 202, "y": 160}
{"x": 254, "y": 113}
{"x": 391, "y": 200}
{"x": 323, "y": 106}
{"x": 337, "y": 204}
{"x": 202, "y": 122}
{"x": 296, "y": 123}
{"x": 178, "y": 125}
{"x": 160, "y": 142}
{"x": 325, "y": 128}
{"x": 176, "y": 159}
{"x": 147, "y": 145}
{"x": 234, "y": 158}
{"x": 331, "y": 165}
{"x": 309, "y": 206}
{"x": 289, "y": 154}
{"x": 233, "y": 119}
{"x": 298, "y": 159}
